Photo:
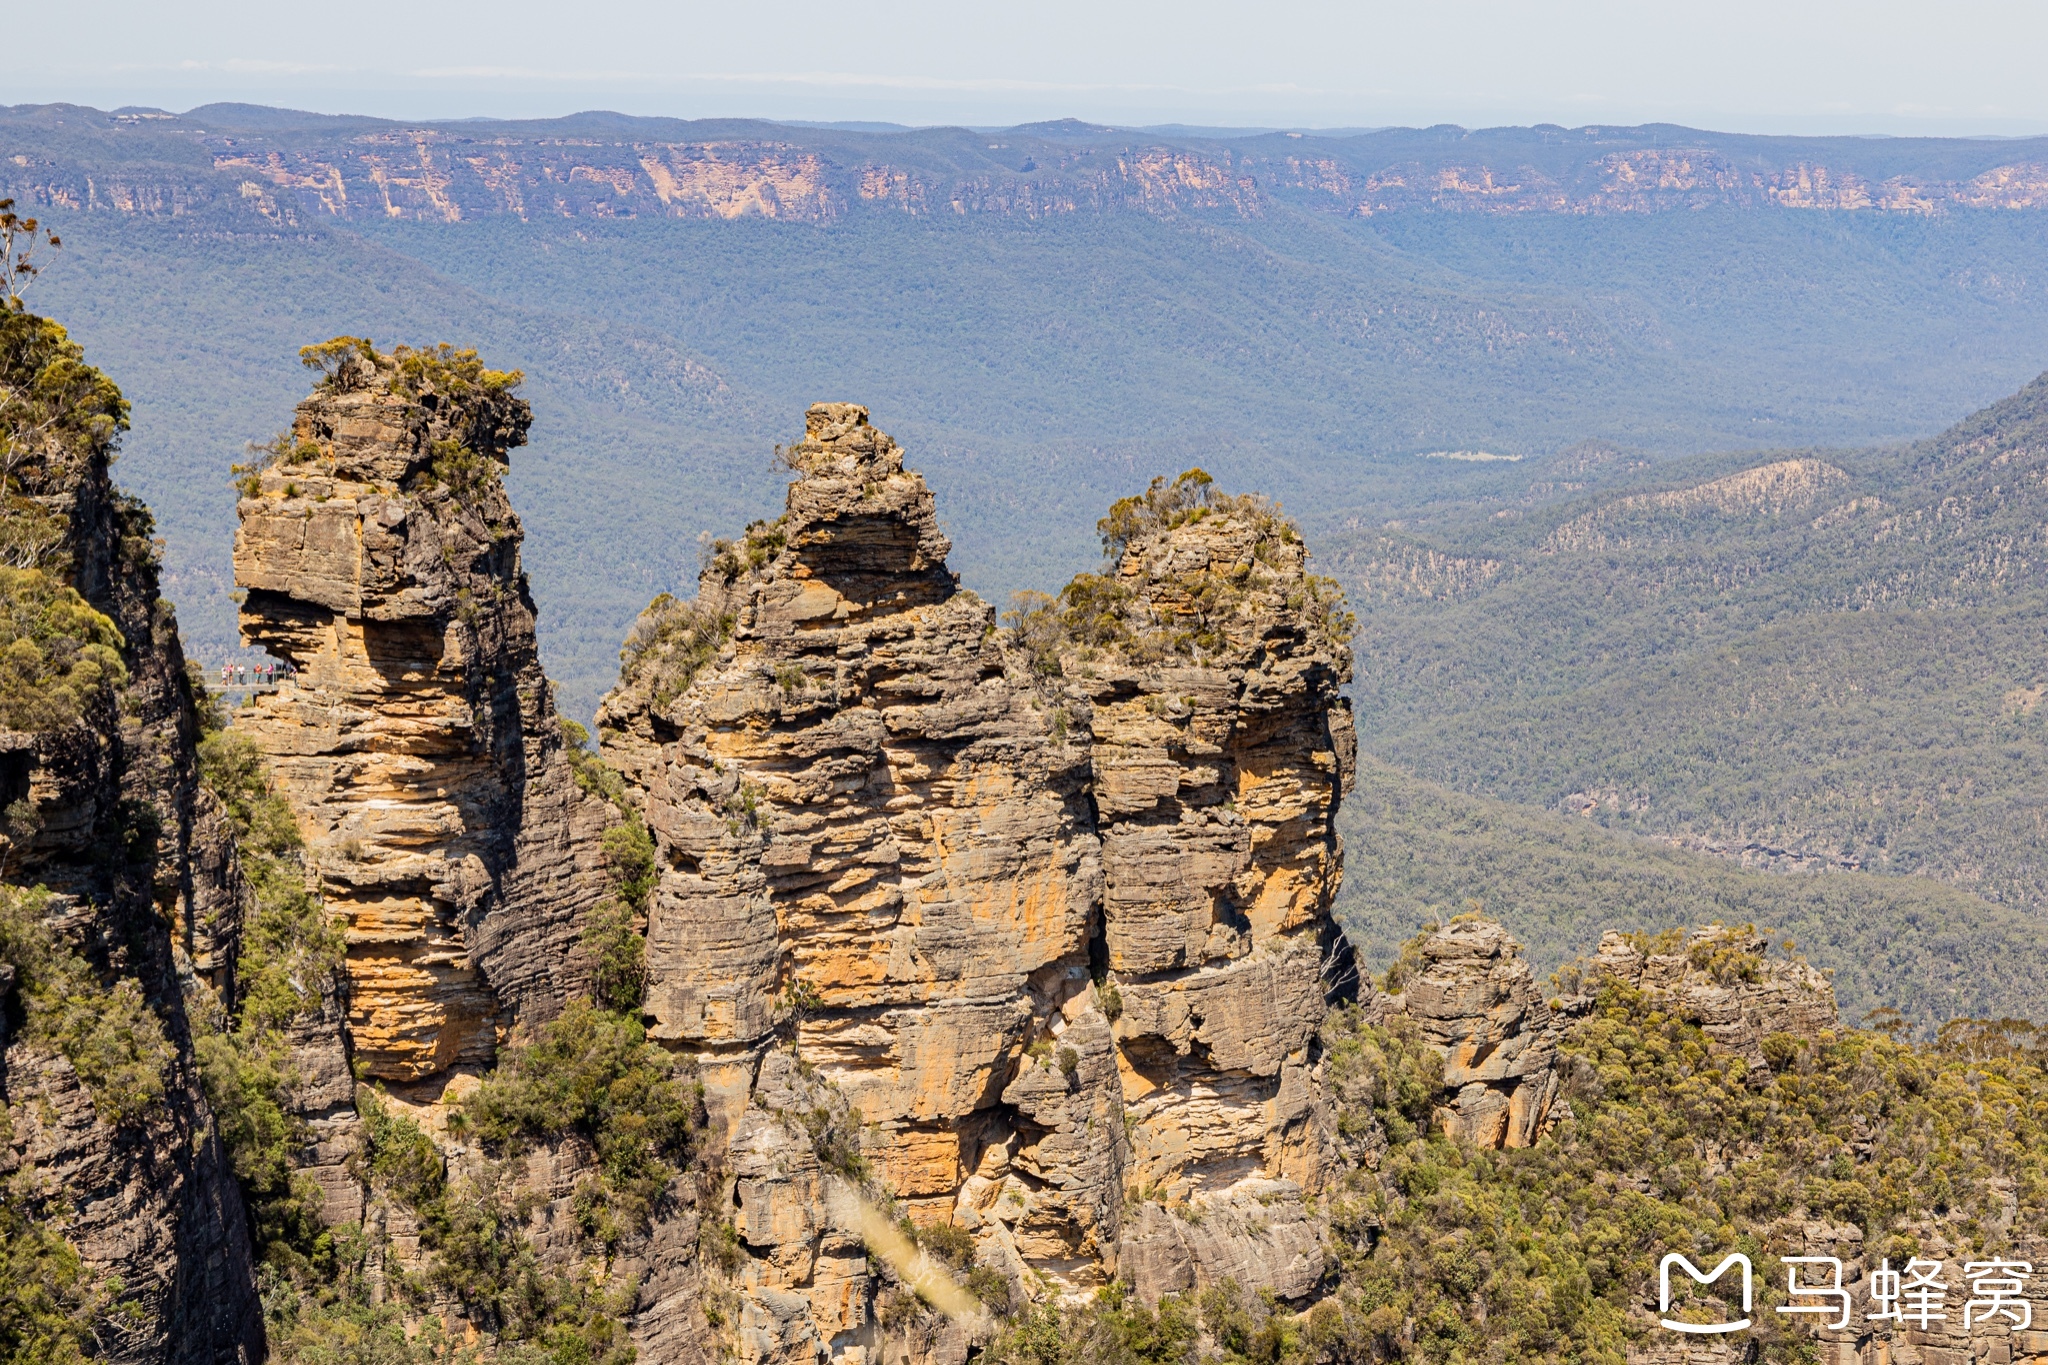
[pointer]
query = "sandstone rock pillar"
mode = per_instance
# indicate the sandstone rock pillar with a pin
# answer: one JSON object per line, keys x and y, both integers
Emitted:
{"x": 416, "y": 739}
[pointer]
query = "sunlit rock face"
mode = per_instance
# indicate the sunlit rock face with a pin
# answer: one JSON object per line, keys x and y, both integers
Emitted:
{"x": 1052, "y": 914}
{"x": 1476, "y": 1001}
{"x": 871, "y": 831}
{"x": 1222, "y": 749}
{"x": 417, "y": 742}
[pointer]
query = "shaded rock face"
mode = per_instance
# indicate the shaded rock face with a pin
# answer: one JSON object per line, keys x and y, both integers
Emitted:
{"x": 417, "y": 742}
{"x": 1477, "y": 1003}
{"x": 147, "y": 892}
{"x": 1057, "y": 928}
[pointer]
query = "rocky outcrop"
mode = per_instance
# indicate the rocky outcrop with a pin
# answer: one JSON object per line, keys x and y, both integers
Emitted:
{"x": 1222, "y": 748}
{"x": 875, "y": 837}
{"x": 1476, "y": 1002}
{"x": 417, "y": 740}
{"x": 1048, "y": 907}
{"x": 1721, "y": 979}
{"x": 107, "y": 812}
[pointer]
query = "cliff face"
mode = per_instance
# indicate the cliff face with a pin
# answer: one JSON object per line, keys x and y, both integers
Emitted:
{"x": 417, "y": 742}
{"x": 1222, "y": 748}
{"x": 106, "y": 1135}
{"x": 269, "y": 174}
{"x": 1052, "y": 916}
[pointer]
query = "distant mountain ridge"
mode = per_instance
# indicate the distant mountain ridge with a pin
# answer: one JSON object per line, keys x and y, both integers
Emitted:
{"x": 1048, "y": 315}
{"x": 284, "y": 168}
{"x": 1837, "y": 661}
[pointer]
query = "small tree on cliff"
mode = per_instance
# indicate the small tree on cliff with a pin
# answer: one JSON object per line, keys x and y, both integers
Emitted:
{"x": 22, "y": 242}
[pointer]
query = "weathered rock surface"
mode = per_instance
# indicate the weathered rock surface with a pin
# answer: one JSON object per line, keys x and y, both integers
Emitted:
{"x": 417, "y": 742}
{"x": 1477, "y": 1003}
{"x": 1736, "y": 1010}
{"x": 145, "y": 892}
{"x": 1052, "y": 917}
{"x": 1257, "y": 1234}
{"x": 869, "y": 832}
{"x": 1222, "y": 748}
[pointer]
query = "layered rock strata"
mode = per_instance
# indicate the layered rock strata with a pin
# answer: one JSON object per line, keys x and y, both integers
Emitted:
{"x": 108, "y": 813}
{"x": 1052, "y": 915}
{"x": 876, "y": 841}
{"x": 1476, "y": 1002}
{"x": 1222, "y": 747}
{"x": 417, "y": 740}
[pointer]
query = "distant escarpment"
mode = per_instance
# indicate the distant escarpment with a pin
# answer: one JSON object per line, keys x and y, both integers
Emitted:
{"x": 278, "y": 169}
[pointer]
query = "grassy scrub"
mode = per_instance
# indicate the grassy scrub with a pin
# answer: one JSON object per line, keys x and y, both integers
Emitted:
{"x": 1098, "y": 612}
{"x": 1542, "y": 1254}
{"x": 588, "y": 1075}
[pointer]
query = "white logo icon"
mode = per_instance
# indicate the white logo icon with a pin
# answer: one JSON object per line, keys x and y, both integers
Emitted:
{"x": 1664, "y": 1292}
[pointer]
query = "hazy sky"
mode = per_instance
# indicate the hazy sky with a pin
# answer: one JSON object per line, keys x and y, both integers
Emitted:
{"x": 1961, "y": 66}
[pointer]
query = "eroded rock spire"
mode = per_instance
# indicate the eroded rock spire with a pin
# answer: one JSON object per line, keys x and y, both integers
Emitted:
{"x": 417, "y": 740}
{"x": 1049, "y": 905}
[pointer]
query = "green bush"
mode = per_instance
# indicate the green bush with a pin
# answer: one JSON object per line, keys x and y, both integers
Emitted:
{"x": 1110, "y": 1329}
{"x": 618, "y": 956}
{"x": 949, "y": 1243}
{"x": 48, "y": 1303}
{"x": 57, "y": 414}
{"x": 290, "y": 956}
{"x": 447, "y": 371}
{"x": 480, "y": 1254}
{"x": 56, "y": 653}
{"x": 670, "y": 644}
{"x": 1196, "y": 613}
{"x": 399, "y": 1158}
{"x": 110, "y": 1035}
{"x": 629, "y": 858}
{"x": 595, "y": 1075}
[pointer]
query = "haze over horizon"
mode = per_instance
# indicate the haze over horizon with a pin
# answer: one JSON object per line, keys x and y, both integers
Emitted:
{"x": 1831, "y": 68}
